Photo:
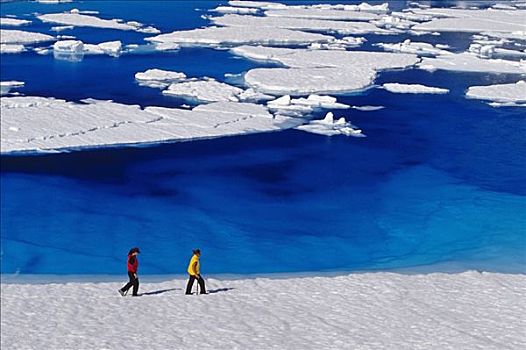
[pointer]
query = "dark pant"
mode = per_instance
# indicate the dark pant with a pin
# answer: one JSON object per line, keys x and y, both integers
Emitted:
{"x": 190, "y": 284}
{"x": 133, "y": 282}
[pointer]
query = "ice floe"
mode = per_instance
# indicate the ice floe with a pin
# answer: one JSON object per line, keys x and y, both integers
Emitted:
{"x": 69, "y": 46}
{"x": 469, "y": 62}
{"x": 209, "y": 90}
{"x": 256, "y": 4}
{"x": 475, "y": 20}
{"x": 320, "y": 13}
{"x": 326, "y": 26}
{"x": 214, "y": 36}
{"x": 61, "y": 28}
{"x": 239, "y": 10}
{"x": 407, "y": 46}
{"x": 11, "y": 48}
{"x": 5, "y": 21}
{"x": 367, "y": 108}
{"x": 158, "y": 78}
{"x": 363, "y": 7}
{"x": 7, "y": 86}
{"x": 35, "y": 124}
{"x": 318, "y": 71}
{"x": 413, "y": 89}
{"x": 80, "y": 20}
{"x": 13, "y": 36}
{"x": 330, "y": 127}
{"x": 501, "y": 94}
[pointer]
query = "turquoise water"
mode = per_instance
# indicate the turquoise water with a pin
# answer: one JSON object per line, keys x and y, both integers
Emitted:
{"x": 438, "y": 181}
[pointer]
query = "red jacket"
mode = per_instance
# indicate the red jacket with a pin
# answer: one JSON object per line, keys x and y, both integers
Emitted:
{"x": 133, "y": 263}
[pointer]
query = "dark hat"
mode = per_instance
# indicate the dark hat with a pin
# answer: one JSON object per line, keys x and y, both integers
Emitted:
{"x": 196, "y": 251}
{"x": 134, "y": 250}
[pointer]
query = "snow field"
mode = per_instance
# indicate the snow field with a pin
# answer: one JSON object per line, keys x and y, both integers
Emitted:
{"x": 469, "y": 310}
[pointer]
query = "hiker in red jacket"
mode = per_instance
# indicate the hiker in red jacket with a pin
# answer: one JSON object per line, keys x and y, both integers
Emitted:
{"x": 133, "y": 264}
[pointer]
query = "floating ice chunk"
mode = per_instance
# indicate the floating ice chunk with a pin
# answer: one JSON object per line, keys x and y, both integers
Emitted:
{"x": 507, "y": 104}
{"x": 318, "y": 101}
{"x": 329, "y": 127}
{"x": 69, "y": 46}
{"x": 204, "y": 91}
{"x": 500, "y": 93}
{"x": 45, "y": 124}
{"x": 468, "y": 62}
{"x": 413, "y": 89}
{"x": 166, "y": 46}
{"x": 328, "y": 26}
{"x": 7, "y": 86}
{"x": 365, "y": 7}
{"x": 74, "y": 50}
{"x": 61, "y": 28}
{"x": 251, "y": 95}
{"x": 389, "y": 22}
{"x": 421, "y": 32}
{"x": 112, "y": 48}
{"x": 11, "y": 48}
{"x": 237, "y": 36}
{"x": 316, "y": 13}
{"x": 413, "y": 47}
{"x": 160, "y": 75}
{"x": 4, "y": 21}
{"x": 240, "y": 10}
{"x": 43, "y": 50}
{"x": 413, "y": 17}
{"x": 8, "y": 36}
{"x": 80, "y": 20}
{"x": 280, "y": 101}
{"x": 159, "y": 78}
{"x": 367, "y": 108}
{"x": 328, "y": 119}
{"x": 503, "y": 7}
{"x": 284, "y": 106}
{"x": 488, "y": 48}
{"x": 148, "y": 30}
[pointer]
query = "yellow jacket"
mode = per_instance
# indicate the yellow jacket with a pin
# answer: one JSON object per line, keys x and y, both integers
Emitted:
{"x": 194, "y": 260}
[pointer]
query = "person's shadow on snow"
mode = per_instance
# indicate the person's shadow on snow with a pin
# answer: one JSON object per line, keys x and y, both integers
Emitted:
{"x": 160, "y": 291}
{"x": 219, "y": 290}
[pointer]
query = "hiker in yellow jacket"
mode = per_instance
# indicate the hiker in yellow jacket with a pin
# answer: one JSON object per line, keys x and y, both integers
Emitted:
{"x": 195, "y": 273}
